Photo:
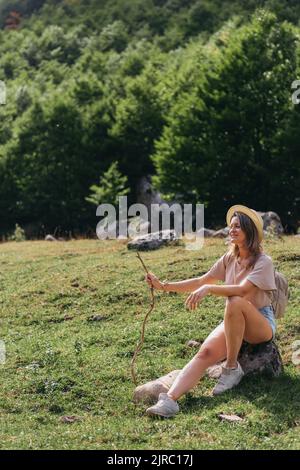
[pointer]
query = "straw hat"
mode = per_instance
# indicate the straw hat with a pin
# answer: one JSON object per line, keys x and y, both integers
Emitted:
{"x": 254, "y": 216}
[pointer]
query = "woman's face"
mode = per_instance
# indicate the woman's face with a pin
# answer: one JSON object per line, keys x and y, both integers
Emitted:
{"x": 237, "y": 236}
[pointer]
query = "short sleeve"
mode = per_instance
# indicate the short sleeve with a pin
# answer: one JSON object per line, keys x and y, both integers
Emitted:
{"x": 218, "y": 270}
{"x": 262, "y": 274}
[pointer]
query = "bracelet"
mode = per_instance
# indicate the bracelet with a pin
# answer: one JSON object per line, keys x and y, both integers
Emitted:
{"x": 164, "y": 284}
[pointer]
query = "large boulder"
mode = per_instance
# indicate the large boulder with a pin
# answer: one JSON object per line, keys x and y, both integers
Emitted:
{"x": 146, "y": 194}
{"x": 272, "y": 223}
{"x": 50, "y": 238}
{"x": 262, "y": 358}
{"x": 208, "y": 233}
{"x": 153, "y": 241}
{"x": 148, "y": 393}
{"x": 222, "y": 233}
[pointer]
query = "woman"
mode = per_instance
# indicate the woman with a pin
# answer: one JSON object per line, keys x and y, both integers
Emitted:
{"x": 248, "y": 274}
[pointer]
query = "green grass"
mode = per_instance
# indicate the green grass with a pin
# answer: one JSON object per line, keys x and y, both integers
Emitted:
{"x": 61, "y": 363}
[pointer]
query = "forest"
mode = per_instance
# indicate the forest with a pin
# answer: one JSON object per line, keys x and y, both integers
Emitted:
{"x": 196, "y": 94}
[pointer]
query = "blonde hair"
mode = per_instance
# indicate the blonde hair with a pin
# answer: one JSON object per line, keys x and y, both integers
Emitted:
{"x": 252, "y": 239}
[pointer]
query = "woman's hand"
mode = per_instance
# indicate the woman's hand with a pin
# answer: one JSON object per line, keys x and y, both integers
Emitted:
{"x": 154, "y": 282}
{"x": 195, "y": 297}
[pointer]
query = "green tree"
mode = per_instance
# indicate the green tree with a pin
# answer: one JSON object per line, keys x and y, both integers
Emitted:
{"x": 112, "y": 185}
{"x": 137, "y": 123}
{"x": 221, "y": 141}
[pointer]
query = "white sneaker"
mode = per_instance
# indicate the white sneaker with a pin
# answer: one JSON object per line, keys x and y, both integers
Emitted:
{"x": 165, "y": 407}
{"x": 228, "y": 379}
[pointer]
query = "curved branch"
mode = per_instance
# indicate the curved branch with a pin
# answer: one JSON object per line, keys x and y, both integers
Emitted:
{"x": 140, "y": 344}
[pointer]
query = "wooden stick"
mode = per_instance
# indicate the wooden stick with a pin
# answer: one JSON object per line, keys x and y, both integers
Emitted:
{"x": 142, "y": 337}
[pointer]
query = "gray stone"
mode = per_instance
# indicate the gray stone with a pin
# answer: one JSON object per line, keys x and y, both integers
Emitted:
{"x": 222, "y": 233}
{"x": 262, "y": 358}
{"x": 272, "y": 223}
{"x": 193, "y": 344}
{"x": 148, "y": 393}
{"x": 153, "y": 241}
{"x": 50, "y": 238}
{"x": 97, "y": 318}
{"x": 146, "y": 194}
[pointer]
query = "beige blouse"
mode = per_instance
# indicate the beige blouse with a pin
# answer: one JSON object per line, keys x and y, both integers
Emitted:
{"x": 228, "y": 270}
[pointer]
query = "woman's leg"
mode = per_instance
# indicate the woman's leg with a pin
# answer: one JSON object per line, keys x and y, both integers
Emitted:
{"x": 243, "y": 321}
{"x": 212, "y": 351}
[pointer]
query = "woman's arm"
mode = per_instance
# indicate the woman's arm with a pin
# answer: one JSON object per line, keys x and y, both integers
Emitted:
{"x": 188, "y": 285}
{"x": 246, "y": 287}
{"x": 230, "y": 290}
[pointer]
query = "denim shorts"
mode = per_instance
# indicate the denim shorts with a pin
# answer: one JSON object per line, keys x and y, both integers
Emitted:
{"x": 268, "y": 313}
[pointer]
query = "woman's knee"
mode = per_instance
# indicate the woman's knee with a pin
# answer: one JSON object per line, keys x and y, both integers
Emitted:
{"x": 234, "y": 306}
{"x": 206, "y": 352}
{"x": 234, "y": 303}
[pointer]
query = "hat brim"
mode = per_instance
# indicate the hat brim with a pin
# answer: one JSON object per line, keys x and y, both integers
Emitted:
{"x": 251, "y": 213}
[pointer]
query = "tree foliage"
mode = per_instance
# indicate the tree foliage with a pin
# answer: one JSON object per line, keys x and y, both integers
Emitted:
{"x": 195, "y": 93}
{"x": 112, "y": 185}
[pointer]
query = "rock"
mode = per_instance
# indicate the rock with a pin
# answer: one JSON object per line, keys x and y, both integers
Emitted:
{"x": 193, "y": 344}
{"x": 208, "y": 233}
{"x": 296, "y": 352}
{"x": 97, "y": 318}
{"x": 75, "y": 284}
{"x": 153, "y": 241}
{"x": 33, "y": 366}
{"x": 230, "y": 418}
{"x": 272, "y": 223}
{"x": 222, "y": 233}
{"x": 155, "y": 204}
{"x": 261, "y": 358}
{"x": 215, "y": 371}
{"x": 148, "y": 393}
{"x": 50, "y": 238}
{"x": 69, "y": 419}
{"x": 296, "y": 345}
{"x": 146, "y": 194}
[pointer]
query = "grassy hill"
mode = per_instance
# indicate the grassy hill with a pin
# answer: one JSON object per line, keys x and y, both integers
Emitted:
{"x": 60, "y": 361}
